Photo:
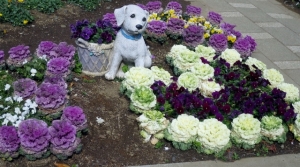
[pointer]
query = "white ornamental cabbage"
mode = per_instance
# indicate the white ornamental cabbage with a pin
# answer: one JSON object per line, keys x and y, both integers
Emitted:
{"x": 161, "y": 75}
{"x": 185, "y": 60}
{"x": 203, "y": 71}
{"x": 273, "y": 129}
{"x": 292, "y": 92}
{"x": 208, "y": 87}
{"x": 231, "y": 56}
{"x": 274, "y": 77}
{"x": 213, "y": 135}
{"x": 174, "y": 52}
{"x": 189, "y": 81}
{"x": 206, "y": 52}
{"x": 253, "y": 61}
{"x": 296, "y": 106}
{"x": 245, "y": 131}
{"x": 142, "y": 99}
{"x": 295, "y": 128}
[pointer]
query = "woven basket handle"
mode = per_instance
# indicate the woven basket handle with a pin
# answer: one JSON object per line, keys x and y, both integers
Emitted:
{"x": 96, "y": 49}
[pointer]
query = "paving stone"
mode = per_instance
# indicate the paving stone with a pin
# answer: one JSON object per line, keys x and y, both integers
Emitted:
{"x": 258, "y": 55}
{"x": 288, "y": 64}
{"x": 294, "y": 74}
{"x": 243, "y": 24}
{"x": 217, "y": 5}
{"x": 269, "y": 7}
{"x": 280, "y": 16}
{"x": 293, "y": 24}
{"x": 242, "y": 5}
{"x": 284, "y": 35}
{"x": 256, "y": 15}
{"x": 294, "y": 49}
{"x": 262, "y": 35}
{"x": 270, "y": 24}
{"x": 231, "y": 14}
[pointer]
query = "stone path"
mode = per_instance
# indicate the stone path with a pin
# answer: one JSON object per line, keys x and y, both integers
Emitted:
{"x": 277, "y": 33}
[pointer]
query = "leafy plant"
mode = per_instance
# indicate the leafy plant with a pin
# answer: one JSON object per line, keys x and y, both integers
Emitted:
{"x": 86, "y": 5}
{"x": 78, "y": 66}
{"x": 48, "y": 6}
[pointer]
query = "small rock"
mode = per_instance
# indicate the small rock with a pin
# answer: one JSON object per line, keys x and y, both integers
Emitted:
{"x": 282, "y": 146}
{"x": 63, "y": 26}
{"x": 32, "y": 25}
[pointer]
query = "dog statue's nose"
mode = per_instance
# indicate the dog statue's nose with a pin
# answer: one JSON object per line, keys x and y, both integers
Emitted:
{"x": 139, "y": 26}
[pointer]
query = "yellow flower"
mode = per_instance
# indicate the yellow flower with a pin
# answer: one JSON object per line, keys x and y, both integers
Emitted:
{"x": 201, "y": 19}
{"x": 9, "y": 1}
{"x": 193, "y": 20}
{"x": 1, "y": 14}
{"x": 219, "y": 31}
{"x": 25, "y": 22}
{"x": 207, "y": 25}
{"x": 186, "y": 26}
{"x": 231, "y": 38}
{"x": 20, "y": 1}
{"x": 174, "y": 16}
{"x": 212, "y": 31}
{"x": 206, "y": 35}
{"x": 171, "y": 11}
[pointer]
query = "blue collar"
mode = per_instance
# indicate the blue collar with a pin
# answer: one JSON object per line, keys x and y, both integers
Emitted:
{"x": 132, "y": 37}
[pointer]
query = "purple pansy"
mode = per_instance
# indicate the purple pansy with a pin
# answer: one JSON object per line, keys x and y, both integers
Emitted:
{"x": 87, "y": 33}
{"x": 111, "y": 18}
{"x": 25, "y": 88}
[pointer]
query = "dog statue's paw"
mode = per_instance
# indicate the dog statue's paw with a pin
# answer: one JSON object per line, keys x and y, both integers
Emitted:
{"x": 109, "y": 76}
{"x": 120, "y": 74}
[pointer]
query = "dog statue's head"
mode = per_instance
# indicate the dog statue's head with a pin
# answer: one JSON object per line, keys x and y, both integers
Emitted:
{"x": 132, "y": 18}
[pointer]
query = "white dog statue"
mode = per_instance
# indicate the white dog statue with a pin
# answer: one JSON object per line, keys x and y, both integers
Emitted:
{"x": 129, "y": 46}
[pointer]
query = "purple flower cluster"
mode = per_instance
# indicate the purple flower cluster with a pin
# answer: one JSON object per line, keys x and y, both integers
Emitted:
{"x": 58, "y": 66}
{"x": 25, "y": 88}
{"x": 52, "y": 50}
{"x": 252, "y": 43}
{"x": 46, "y": 48}
{"x": 110, "y": 18}
{"x": 18, "y": 54}
{"x": 193, "y": 35}
{"x": 50, "y": 96}
{"x": 218, "y": 42}
{"x": 243, "y": 47}
{"x": 193, "y": 11}
{"x": 77, "y": 28}
{"x": 227, "y": 28}
{"x": 214, "y": 18}
{"x": 63, "y": 138}
{"x": 59, "y": 80}
{"x": 175, "y": 6}
{"x": 9, "y": 140}
{"x": 34, "y": 137}
{"x": 2, "y": 57}
{"x": 175, "y": 26}
{"x": 65, "y": 51}
{"x": 75, "y": 116}
{"x": 157, "y": 27}
{"x": 142, "y": 6}
{"x": 154, "y": 7}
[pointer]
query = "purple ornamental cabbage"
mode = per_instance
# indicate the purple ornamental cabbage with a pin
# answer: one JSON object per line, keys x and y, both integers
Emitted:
{"x": 156, "y": 29}
{"x": 193, "y": 35}
{"x": 50, "y": 96}
{"x": 252, "y": 43}
{"x": 2, "y": 60}
{"x": 46, "y": 48}
{"x": 34, "y": 137}
{"x": 75, "y": 115}
{"x": 9, "y": 142}
{"x": 18, "y": 54}
{"x": 243, "y": 47}
{"x": 193, "y": 11}
{"x": 25, "y": 88}
{"x": 154, "y": 7}
{"x": 111, "y": 18}
{"x": 175, "y": 26}
{"x": 58, "y": 66}
{"x": 59, "y": 80}
{"x": 142, "y": 6}
{"x": 227, "y": 28}
{"x": 214, "y": 18}
{"x": 175, "y": 6}
{"x": 65, "y": 51}
{"x": 63, "y": 138}
{"x": 218, "y": 42}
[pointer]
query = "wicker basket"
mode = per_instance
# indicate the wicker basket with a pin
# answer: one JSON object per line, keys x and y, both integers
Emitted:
{"x": 95, "y": 58}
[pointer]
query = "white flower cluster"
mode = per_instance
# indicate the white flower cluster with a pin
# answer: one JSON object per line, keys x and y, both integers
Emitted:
{"x": 176, "y": 50}
{"x": 203, "y": 71}
{"x": 185, "y": 60}
{"x": 257, "y": 63}
{"x": 273, "y": 129}
{"x": 189, "y": 81}
{"x": 246, "y": 131}
{"x": 206, "y": 52}
{"x": 295, "y": 128}
{"x": 292, "y": 92}
{"x": 142, "y": 99}
{"x": 274, "y": 77}
{"x": 213, "y": 135}
{"x": 208, "y": 87}
{"x": 161, "y": 74}
{"x": 231, "y": 56}
{"x": 296, "y": 106}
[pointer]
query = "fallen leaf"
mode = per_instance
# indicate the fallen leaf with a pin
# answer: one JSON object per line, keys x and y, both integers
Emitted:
{"x": 61, "y": 165}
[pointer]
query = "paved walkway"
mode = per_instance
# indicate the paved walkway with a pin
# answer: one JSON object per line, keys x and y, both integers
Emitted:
{"x": 277, "y": 33}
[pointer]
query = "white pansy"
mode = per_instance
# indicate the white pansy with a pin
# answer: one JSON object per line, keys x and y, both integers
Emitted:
{"x": 1, "y": 106}
{"x": 253, "y": 61}
{"x": 9, "y": 99}
{"x": 33, "y": 72}
{"x": 292, "y": 92}
{"x": 7, "y": 86}
{"x": 18, "y": 99}
{"x": 17, "y": 110}
{"x": 273, "y": 76}
{"x": 231, "y": 56}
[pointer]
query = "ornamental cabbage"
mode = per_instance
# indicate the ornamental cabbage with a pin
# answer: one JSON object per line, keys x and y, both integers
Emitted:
{"x": 182, "y": 131}
{"x": 255, "y": 62}
{"x": 189, "y": 81}
{"x": 206, "y": 52}
{"x": 153, "y": 123}
{"x": 75, "y": 116}
{"x": 2, "y": 58}
{"x": 58, "y": 67}
{"x": 185, "y": 60}
{"x": 231, "y": 56}
{"x": 174, "y": 52}
{"x": 9, "y": 142}
{"x": 142, "y": 99}
{"x": 203, "y": 71}
{"x": 46, "y": 48}
{"x": 63, "y": 139}
{"x": 295, "y": 128}
{"x": 208, "y": 87}
{"x": 161, "y": 75}
{"x": 246, "y": 131}
{"x": 34, "y": 137}
{"x": 274, "y": 77}
{"x": 18, "y": 54}
{"x": 214, "y": 137}
{"x": 292, "y": 92}
{"x": 272, "y": 128}
{"x": 25, "y": 88}
{"x": 296, "y": 107}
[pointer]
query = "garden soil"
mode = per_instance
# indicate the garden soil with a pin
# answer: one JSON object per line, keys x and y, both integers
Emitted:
{"x": 116, "y": 142}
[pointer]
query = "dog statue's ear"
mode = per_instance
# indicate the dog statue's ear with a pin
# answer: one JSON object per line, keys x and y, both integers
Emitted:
{"x": 120, "y": 15}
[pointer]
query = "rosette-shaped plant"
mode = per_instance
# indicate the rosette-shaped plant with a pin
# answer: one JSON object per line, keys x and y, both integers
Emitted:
{"x": 142, "y": 6}
{"x": 274, "y": 77}
{"x": 252, "y": 43}
{"x": 273, "y": 129}
{"x": 189, "y": 81}
{"x": 214, "y": 18}
{"x": 184, "y": 61}
{"x": 152, "y": 123}
{"x": 50, "y": 97}
{"x": 75, "y": 115}
{"x": 295, "y": 128}
{"x": 292, "y": 92}
{"x": 65, "y": 51}
{"x": 203, "y": 71}
{"x": 243, "y": 46}
{"x": 214, "y": 137}
{"x": 207, "y": 88}
{"x": 111, "y": 18}
{"x": 142, "y": 99}
{"x": 9, "y": 142}
{"x": 156, "y": 30}
{"x": 218, "y": 42}
{"x": 175, "y": 6}
{"x": 174, "y": 52}
{"x": 154, "y": 7}
{"x": 59, "y": 80}
{"x": 2, "y": 60}
{"x": 135, "y": 77}
{"x": 246, "y": 131}
{"x": 175, "y": 27}
{"x": 193, "y": 36}
{"x": 34, "y": 137}
{"x": 58, "y": 67}
{"x": 63, "y": 139}
{"x": 231, "y": 56}
{"x": 46, "y": 48}
{"x": 206, "y": 52}
{"x": 193, "y": 11}
{"x": 18, "y": 55}
{"x": 227, "y": 28}
{"x": 161, "y": 75}
{"x": 182, "y": 131}
{"x": 251, "y": 62}
{"x": 296, "y": 106}
{"x": 25, "y": 88}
